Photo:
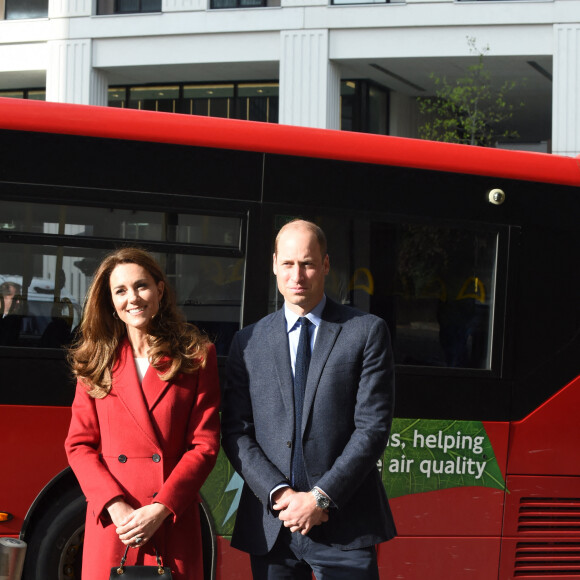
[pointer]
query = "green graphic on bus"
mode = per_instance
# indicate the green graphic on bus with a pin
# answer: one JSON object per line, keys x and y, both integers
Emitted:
{"x": 428, "y": 455}
{"x": 422, "y": 455}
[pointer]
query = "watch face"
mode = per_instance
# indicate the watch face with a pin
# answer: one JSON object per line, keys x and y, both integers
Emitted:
{"x": 321, "y": 500}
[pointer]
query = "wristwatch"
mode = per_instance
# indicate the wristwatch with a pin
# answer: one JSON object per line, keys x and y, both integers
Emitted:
{"x": 322, "y": 501}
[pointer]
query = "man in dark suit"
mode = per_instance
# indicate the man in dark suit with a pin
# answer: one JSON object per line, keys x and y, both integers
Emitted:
{"x": 313, "y": 499}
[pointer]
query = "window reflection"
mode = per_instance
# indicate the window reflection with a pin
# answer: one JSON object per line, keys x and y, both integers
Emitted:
{"x": 43, "y": 287}
{"x": 209, "y": 291}
{"x": 123, "y": 224}
{"x": 444, "y": 292}
{"x": 40, "y": 290}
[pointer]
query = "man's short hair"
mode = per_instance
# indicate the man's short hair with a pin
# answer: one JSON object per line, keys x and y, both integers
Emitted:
{"x": 310, "y": 226}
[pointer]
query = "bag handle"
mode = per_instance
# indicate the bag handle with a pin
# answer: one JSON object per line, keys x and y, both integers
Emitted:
{"x": 121, "y": 568}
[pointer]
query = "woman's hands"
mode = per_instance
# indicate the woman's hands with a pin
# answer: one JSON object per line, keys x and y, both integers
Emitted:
{"x": 135, "y": 527}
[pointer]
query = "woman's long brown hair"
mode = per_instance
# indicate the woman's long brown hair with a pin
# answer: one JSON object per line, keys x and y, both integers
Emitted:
{"x": 174, "y": 345}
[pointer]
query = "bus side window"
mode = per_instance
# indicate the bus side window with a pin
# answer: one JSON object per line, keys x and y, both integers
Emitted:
{"x": 442, "y": 290}
{"x": 434, "y": 285}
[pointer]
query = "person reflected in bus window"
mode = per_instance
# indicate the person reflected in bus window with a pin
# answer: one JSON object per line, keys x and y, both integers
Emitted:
{"x": 12, "y": 309}
{"x": 144, "y": 433}
{"x": 11, "y": 301}
{"x": 308, "y": 405}
{"x": 462, "y": 325}
{"x": 58, "y": 331}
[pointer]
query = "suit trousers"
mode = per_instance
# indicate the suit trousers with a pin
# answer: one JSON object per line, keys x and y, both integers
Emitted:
{"x": 295, "y": 557}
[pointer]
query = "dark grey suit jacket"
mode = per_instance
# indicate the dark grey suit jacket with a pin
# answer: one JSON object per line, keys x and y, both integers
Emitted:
{"x": 348, "y": 409}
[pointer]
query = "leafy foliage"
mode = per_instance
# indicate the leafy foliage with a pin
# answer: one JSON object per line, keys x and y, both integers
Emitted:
{"x": 471, "y": 110}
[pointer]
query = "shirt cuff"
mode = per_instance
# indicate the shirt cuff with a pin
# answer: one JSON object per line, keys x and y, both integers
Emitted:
{"x": 279, "y": 486}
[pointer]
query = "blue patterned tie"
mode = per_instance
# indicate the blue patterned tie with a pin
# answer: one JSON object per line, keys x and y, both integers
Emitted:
{"x": 299, "y": 478}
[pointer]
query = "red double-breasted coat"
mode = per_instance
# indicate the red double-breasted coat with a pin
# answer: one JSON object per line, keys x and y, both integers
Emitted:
{"x": 155, "y": 442}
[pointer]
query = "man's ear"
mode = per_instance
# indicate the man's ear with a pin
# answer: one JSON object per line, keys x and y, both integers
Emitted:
{"x": 274, "y": 266}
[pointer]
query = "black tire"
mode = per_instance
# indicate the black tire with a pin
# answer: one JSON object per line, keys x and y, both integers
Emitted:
{"x": 55, "y": 541}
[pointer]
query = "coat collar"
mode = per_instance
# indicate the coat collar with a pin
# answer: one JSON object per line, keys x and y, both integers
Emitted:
{"x": 126, "y": 386}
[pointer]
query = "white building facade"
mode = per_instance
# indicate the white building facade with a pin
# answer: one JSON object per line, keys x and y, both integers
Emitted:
{"x": 307, "y": 52}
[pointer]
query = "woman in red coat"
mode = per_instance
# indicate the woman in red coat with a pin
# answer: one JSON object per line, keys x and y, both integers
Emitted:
{"x": 144, "y": 433}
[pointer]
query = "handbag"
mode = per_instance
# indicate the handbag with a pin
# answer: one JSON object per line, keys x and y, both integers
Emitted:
{"x": 140, "y": 572}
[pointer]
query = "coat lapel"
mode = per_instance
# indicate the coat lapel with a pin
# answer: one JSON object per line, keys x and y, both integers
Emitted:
{"x": 126, "y": 386}
{"x": 325, "y": 339}
{"x": 153, "y": 387}
{"x": 280, "y": 353}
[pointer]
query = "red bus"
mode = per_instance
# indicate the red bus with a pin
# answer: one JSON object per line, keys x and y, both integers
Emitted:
{"x": 470, "y": 255}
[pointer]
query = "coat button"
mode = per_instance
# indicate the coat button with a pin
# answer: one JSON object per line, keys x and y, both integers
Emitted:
{"x": 288, "y": 443}
{"x": 156, "y": 458}
{"x": 122, "y": 459}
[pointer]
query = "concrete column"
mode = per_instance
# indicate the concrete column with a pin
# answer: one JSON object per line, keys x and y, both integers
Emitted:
{"x": 566, "y": 90}
{"x": 309, "y": 82}
{"x": 70, "y": 77}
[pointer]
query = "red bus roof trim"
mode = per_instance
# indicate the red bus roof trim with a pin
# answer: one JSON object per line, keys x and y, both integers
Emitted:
{"x": 113, "y": 123}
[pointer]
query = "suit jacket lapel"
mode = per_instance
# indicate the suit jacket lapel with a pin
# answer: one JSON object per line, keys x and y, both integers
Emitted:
{"x": 126, "y": 386}
{"x": 280, "y": 352}
{"x": 325, "y": 339}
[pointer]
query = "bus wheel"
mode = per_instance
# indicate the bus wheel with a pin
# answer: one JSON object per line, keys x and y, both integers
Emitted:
{"x": 56, "y": 544}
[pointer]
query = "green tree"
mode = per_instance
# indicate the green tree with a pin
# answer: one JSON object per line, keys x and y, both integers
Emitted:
{"x": 471, "y": 110}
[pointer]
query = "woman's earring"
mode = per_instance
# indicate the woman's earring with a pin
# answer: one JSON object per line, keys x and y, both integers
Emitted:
{"x": 115, "y": 315}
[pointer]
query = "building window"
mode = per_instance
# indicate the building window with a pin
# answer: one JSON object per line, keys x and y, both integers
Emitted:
{"x": 162, "y": 98}
{"x": 210, "y": 100}
{"x": 258, "y": 101}
{"x": 341, "y": 2}
{"x": 364, "y": 107}
{"x": 248, "y": 101}
{"x": 22, "y": 9}
{"x": 32, "y": 94}
{"x": 127, "y": 6}
{"x": 220, "y": 4}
